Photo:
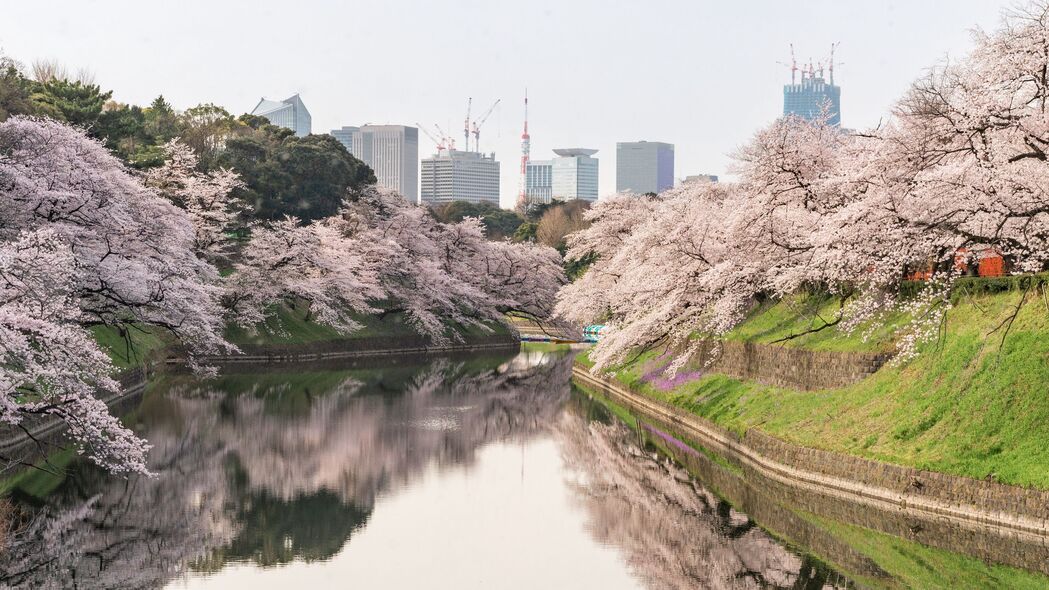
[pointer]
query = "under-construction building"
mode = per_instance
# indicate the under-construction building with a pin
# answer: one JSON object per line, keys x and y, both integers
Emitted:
{"x": 815, "y": 94}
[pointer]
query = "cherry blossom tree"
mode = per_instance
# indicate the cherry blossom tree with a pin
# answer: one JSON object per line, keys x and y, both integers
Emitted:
{"x": 206, "y": 197}
{"x": 135, "y": 261}
{"x": 316, "y": 264}
{"x": 50, "y": 365}
{"x": 958, "y": 171}
{"x": 439, "y": 274}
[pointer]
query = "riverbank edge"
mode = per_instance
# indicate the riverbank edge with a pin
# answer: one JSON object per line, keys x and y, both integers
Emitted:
{"x": 973, "y": 504}
{"x": 133, "y": 381}
{"x": 356, "y": 347}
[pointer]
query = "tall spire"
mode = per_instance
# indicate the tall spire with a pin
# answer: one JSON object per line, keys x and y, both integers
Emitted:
{"x": 526, "y": 152}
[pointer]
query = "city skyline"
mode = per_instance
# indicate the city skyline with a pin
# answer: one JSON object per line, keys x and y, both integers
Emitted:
{"x": 686, "y": 89}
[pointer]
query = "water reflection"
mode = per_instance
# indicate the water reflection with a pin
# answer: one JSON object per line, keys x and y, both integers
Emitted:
{"x": 293, "y": 469}
{"x": 673, "y": 532}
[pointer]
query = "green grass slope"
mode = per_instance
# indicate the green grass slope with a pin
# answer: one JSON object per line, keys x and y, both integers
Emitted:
{"x": 970, "y": 405}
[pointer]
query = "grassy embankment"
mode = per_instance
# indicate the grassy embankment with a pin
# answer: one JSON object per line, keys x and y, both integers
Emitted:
{"x": 969, "y": 405}
{"x": 908, "y": 564}
{"x": 286, "y": 326}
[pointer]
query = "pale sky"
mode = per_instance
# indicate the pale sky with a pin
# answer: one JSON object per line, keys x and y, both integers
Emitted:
{"x": 700, "y": 74}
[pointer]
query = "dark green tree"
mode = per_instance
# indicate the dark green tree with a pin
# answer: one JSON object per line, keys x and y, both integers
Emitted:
{"x": 526, "y": 232}
{"x": 307, "y": 177}
{"x": 123, "y": 129}
{"x": 75, "y": 102}
{"x": 498, "y": 223}
{"x": 206, "y": 128}
{"x": 14, "y": 90}
{"x": 161, "y": 121}
{"x": 160, "y": 124}
{"x": 501, "y": 224}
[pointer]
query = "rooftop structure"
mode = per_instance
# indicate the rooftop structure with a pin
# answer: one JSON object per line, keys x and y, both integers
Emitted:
{"x": 574, "y": 174}
{"x": 289, "y": 113}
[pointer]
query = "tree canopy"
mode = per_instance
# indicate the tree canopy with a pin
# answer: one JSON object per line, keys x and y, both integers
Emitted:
{"x": 498, "y": 223}
{"x": 305, "y": 177}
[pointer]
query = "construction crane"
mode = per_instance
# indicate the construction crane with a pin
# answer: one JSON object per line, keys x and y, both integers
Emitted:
{"x": 478, "y": 124}
{"x": 793, "y": 65}
{"x": 833, "y": 46}
{"x": 438, "y": 142}
{"x": 447, "y": 138}
{"x": 466, "y": 125}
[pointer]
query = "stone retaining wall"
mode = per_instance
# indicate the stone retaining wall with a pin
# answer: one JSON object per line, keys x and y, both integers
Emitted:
{"x": 795, "y": 368}
{"x": 776, "y": 507}
{"x": 1008, "y": 524}
{"x": 909, "y": 482}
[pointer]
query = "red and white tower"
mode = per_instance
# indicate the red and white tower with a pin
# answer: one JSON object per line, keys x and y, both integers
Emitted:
{"x": 526, "y": 150}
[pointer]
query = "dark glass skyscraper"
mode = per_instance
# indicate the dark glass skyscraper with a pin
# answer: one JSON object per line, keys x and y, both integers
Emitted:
{"x": 809, "y": 98}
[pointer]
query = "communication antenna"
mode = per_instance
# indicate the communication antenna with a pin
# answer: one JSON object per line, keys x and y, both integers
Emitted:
{"x": 526, "y": 152}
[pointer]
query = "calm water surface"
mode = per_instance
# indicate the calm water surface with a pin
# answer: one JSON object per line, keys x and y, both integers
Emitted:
{"x": 471, "y": 472}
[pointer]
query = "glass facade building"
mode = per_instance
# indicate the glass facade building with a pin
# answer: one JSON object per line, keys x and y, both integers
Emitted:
{"x": 391, "y": 151}
{"x": 574, "y": 175}
{"x": 289, "y": 113}
{"x": 808, "y": 99}
{"x": 644, "y": 166}
{"x": 452, "y": 175}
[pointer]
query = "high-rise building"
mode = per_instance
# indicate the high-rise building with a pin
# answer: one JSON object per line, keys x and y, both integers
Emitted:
{"x": 539, "y": 182}
{"x": 809, "y": 99}
{"x": 574, "y": 175}
{"x": 391, "y": 151}
{"x": 453, "y": 175}
{"x": 644, "y": 166}
{"x": 289, "y": 113}
{"x": 345, "y": 137}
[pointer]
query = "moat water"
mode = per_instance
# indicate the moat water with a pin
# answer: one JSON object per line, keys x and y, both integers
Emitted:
{"x": 463, "y": 472}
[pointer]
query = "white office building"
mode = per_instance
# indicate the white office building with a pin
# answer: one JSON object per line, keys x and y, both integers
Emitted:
{"x": 452, "y": 175}
{"x": 539, "y": 182}
{"x": 391, "y": 151}
{"x": 574, "y": 175}
{"x": 289, "y": 113}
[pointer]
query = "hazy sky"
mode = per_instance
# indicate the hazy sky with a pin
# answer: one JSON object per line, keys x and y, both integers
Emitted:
{"x": 700, "y": 74}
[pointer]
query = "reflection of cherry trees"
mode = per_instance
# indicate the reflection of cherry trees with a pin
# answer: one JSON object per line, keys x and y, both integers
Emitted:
{"x": 131, "y": 533}
{"x": 237, "y": 479}
{"x": 674, "y": 533}
{"x": 278, "y": 468}
{"x": 357, "y": 446}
